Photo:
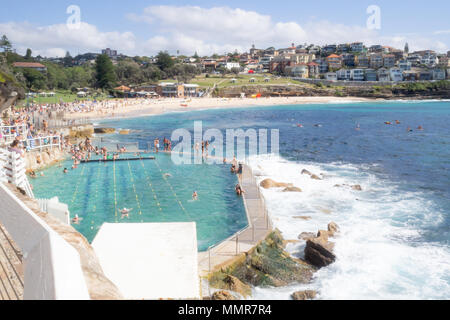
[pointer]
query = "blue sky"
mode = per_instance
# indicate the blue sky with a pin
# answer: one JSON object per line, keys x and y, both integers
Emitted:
{"x": 143, "y": 27}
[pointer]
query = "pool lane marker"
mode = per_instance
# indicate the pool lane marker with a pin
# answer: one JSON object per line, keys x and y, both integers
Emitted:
{"x": 115, "y": 190}
{"x": 134, "y": 188}
{"x": 94, "y": 210}
{"x": 78, "y": 184}
{"x": 151, "y": 185}
{"x": 173, "y": 191}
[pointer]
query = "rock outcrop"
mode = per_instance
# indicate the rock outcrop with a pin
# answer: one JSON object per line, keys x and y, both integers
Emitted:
{"x": 312, "y": 175}
{"x": 104, "y": 130}
{"x": 318, "y": 250}
{"x": 266, "y": 265}
{"x": 269, "y": 183}
{"x": 304, "y": 295}
{"x": 292, "y": 189}
{"x": 222, "y": 295}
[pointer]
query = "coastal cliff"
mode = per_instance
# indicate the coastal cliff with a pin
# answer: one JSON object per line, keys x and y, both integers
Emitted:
{"x": 418, "y": 90}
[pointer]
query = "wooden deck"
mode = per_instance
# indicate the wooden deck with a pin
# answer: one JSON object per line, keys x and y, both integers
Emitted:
{"x": 11, "y": 268}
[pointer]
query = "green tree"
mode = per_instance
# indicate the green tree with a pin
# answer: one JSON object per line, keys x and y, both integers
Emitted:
{"x": 5, "y": 44}
{"x": 105, "y": 75}
{"x": 129, "y": 72}
{"x": 165, "y": 61}
{"x": 68, "y": 60}
{"x": 28, "y": 54}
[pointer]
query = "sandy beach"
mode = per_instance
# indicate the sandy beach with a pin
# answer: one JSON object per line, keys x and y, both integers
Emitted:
{"x": 135, "y": 108}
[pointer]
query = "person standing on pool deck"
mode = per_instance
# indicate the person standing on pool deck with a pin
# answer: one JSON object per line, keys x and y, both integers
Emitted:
{"x": 156, "y": 145}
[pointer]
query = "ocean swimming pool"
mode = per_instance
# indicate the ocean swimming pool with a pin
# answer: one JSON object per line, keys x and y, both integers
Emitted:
{"x": 98, "y": 191}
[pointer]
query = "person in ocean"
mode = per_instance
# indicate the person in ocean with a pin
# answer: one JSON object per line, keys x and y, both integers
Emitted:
{"x": 195, "y": 196}
{"x": 420, "y": 128}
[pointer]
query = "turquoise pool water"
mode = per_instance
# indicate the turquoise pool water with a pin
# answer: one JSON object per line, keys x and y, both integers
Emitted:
{"x": 98, "y": 191}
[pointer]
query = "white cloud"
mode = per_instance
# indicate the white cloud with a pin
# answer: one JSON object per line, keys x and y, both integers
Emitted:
{"x": 205, "y": 30}
{"x": 223, "y": 29}
{"x": 55, "y": 40}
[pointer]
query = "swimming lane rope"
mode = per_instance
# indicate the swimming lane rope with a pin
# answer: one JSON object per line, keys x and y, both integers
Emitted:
{"x": 171, "y": 188}
{"x": 134, "y": 188}
{"x": 78, "y": 184}
{"x": 149, "y": 182}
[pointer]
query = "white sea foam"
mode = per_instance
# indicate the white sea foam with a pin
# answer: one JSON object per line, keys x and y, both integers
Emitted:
{"x": 380, "y": 253}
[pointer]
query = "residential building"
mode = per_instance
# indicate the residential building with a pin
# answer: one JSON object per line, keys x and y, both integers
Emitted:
{"x": 255, "y": 52}
{"x": 425, "y": 75}
{"x": 383, "y": 75}
{"x": 30, "y": 65}
{"x": 230, "y": 65}
{"x": 376, "y": 61}
{"x": 410, "y": 75}
{"x": 265, "y": 62}
{"x": 414, "y": 59}
{"x": 362, "y": 61}
{"x": 344, "y": 74}
{"x": 313, "y": 69}
{"x": 331, "y": 76}
{"x": 405, "y": 65}
{"x": 349, "y": 60}
{"x": 298, "y": 71}
{"x": 357, "y": 74}
{"x": 438, "y": 74}
{"x": 389, "y": 61}
{"x": 370, "y": 75}
{"x": 172, "y": 90}
{"x": 323, "y": 65}
{"x": 334, "y": 62}
{"x": 328, "y": 49}
{"x": 191, "y": 90}
{"x": 357, "y": 47}
{"x": 396, "y": 74}
{"x": 444, "y": 62}
{"x": 343, "y": 48}
{"x": 376, "y": 48}
{"x": 209, "y": 65}
{"x": 110, "y": 53}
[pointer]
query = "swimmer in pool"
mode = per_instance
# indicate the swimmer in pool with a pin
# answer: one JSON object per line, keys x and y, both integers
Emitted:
{"x": 167, "y": 175}
{"x": 65, "y": 170}
{"x": 125, "y": 212}
{"x": 76, "y": 219}
{"x": 195, "y": 196}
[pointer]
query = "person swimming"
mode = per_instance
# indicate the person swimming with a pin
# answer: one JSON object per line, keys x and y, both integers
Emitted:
{"x": 76, "y": 219}
{"x": 195, "y": 196}
{"x": 65, "y": 170}
{"x": 420, "y": 128}
{"x": 239, "y": 190}
{"x": 125, "y": 212}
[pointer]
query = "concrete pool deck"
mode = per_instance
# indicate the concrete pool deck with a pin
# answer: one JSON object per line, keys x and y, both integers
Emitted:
{"x": 259, "y": 227}
{"x": 150, "y": 260}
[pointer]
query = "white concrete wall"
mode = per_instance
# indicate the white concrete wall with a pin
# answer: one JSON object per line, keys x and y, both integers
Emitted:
{"x": 52, "y": 266}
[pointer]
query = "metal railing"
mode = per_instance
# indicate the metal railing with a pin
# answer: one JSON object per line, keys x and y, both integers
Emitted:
{"x": 252, "y": 217}
{"x": 9, "y": 133}
{"x": 40, "y": 143}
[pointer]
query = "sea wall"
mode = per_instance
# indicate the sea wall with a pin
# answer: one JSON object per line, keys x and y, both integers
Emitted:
{"x": 37, "y": 160}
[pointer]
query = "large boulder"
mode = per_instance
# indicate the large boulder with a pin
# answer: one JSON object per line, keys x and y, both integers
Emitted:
{"x": 269, "y": 183}
{"x": 292, "y": 189}
{"x": 315, "y": 177}
{"x": 104, "y": 130}
{"x": 304, "y": 295}
{"x": 333, "y": 228}
{"x": 306, "y": 235}
{"x": 319, "y": 252}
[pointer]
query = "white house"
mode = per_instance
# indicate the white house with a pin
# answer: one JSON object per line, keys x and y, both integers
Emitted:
{"x": 383, "y": 75}
{"x": 404, "y": 65}
{"x": 331, "y": 76}
{"x": 396, "y": 74}
{"x": 231, "y": 65}
{"x": 343, "y": 74}
{"x": 438, "y": 74}
{"x": 357, "y": 74}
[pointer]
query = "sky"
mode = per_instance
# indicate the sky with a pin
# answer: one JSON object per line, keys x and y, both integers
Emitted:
{"x": 143, "y": 27}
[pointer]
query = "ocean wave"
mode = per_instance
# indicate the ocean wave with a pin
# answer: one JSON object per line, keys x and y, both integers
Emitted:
{"x": 381, "y": 253}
